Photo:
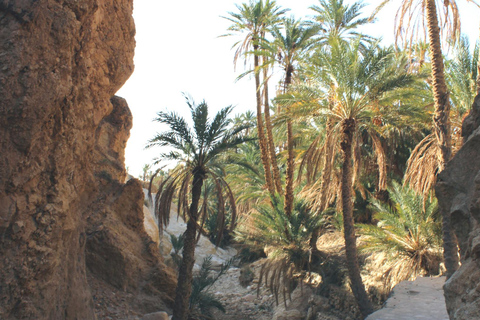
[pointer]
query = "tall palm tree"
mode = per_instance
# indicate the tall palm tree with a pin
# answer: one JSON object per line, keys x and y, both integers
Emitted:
{"x": 290, "y": 44}
{"x": 354, "y": 88}
{"x": 409, "y": 24}
{"x": 340, "y": 21}
{"x": 253, "y": 20}
{"x": 198, "y": 151}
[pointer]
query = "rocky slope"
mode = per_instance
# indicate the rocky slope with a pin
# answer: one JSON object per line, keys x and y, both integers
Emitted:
{"x": 65, "y": 213}
{"x": 458, "y": 192}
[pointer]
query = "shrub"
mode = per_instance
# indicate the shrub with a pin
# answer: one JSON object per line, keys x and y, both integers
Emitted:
{"x": 201, "y": 301}
{"x": 287, "y": 239}
{"x": 408, "y": 232}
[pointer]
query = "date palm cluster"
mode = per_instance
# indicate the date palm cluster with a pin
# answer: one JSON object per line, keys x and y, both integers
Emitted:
{"x": 354, "y": 129}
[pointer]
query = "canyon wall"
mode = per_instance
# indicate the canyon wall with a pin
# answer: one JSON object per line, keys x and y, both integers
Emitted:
{"x": 63, "y": 203}
{"x": 458, "y": 192}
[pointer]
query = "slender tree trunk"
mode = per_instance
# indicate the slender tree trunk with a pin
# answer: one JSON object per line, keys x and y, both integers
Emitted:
{"x": 478, "y": 73}
{"x": 348, "y": 129}
{"x": 441, "y": 123}
{"x": 261, "y": 134}
{"x": 185, "y": 274}
{"x": 271, "y": 143}
{"x": 288, "y": 204}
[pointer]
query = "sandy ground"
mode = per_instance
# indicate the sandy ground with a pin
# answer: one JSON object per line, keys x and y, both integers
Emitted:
{"x": 419, "y": 299}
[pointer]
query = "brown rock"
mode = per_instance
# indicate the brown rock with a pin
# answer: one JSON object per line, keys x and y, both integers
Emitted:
{"x": 61, "y": 162}
{"x": 458, "y": 193}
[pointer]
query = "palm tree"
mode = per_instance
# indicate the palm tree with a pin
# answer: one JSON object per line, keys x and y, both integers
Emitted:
{"x": 413, "y": 14}
{"x": 198, "y": 151}
{"x": 354, "y": 88}
{"x": 145, "y": 172}
{"x": 290, "y": 44}
{"x": 340, "y": 21}
{"x": 254, "y": 19}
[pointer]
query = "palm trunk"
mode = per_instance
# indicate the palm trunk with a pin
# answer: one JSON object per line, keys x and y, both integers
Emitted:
{"x": 261, "y": 135}
{"x": 185, "y": 274}
{"x": 441, "y": 127}
{"x": 348, "y": 129}
{"x": 271, "y": 143}
{"x": 288, "y": 205}
{"x": 478, "y": 72}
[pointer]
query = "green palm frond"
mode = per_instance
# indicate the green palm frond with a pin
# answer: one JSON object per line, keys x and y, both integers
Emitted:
{"x": 202, "y": 302}
{"x": 408, "y": 232}
{"x": 461, "y": 75}
{"x": 340, "y": 21}
{"x": 288, "y": 240}
{"x": 196, "y": 149}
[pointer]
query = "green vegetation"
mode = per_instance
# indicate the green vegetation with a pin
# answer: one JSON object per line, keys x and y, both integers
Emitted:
{"x": 349, "y": 118}
{"x": 198, "y": 153}
{"x": 202, "y": 301}
{"x": 408, "y": 231}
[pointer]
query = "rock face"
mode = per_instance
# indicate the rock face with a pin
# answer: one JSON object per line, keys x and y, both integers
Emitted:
{"x": 63, "y": 205}
{"x": 458, "y": 192}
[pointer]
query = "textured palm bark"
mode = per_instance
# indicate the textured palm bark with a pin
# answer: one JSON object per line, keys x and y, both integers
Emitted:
{"x": 288, "y": 203}
{"x": 358, "y": 289}
{"x": 290, "y": 166}
{"x": 271, "y": 144}
{"x": 441, "y": 126}
{"x": 262, "y": 141}
{"x": 478, "y": 73}
{"x": 185, "y": 274}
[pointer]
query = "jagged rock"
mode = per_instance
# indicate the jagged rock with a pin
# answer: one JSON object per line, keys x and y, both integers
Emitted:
{"x": 62, "y": 205}
{"x": 458, "y": 193}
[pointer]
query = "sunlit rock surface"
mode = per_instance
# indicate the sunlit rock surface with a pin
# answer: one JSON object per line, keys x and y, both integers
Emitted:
{"x": 63, "y": 204}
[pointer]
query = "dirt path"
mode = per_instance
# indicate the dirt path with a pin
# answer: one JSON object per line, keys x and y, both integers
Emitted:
{"x": 419, "y": 299}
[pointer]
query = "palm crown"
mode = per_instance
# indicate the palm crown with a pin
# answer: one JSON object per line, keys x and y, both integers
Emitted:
{"x": 197, "y": 148}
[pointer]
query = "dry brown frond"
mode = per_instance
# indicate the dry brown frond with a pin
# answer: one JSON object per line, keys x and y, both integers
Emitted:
{"x": 312, "y": 160}
{"x": 381, "y": 162}
{"x": 321, "y": 158}
{"x": 422, "y": 166}
{"x": 410, "y": 21}
{"x": 279, "y": 276}
{"x": 395, "y": 271}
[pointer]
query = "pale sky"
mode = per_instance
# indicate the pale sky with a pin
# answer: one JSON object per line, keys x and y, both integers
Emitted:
{"x": 178, "y": 50}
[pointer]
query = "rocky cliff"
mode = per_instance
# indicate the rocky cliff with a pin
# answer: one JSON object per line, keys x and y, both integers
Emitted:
{"x": 63, "y": 204}
{"x": 458, "y": 192}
